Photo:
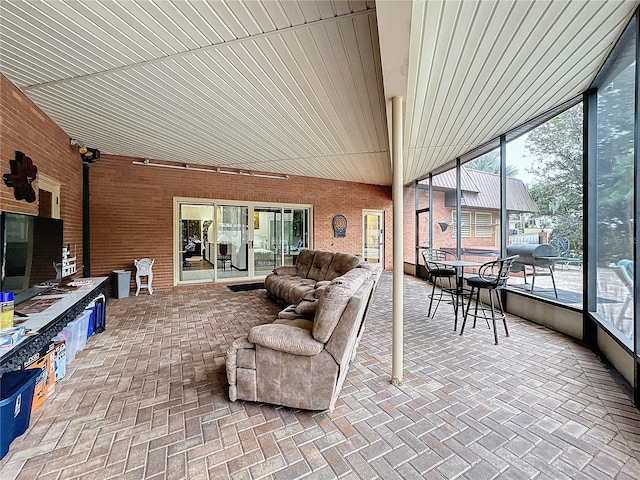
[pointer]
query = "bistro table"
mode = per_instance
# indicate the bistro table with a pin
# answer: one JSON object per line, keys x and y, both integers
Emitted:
{"x": 459, "y": 291}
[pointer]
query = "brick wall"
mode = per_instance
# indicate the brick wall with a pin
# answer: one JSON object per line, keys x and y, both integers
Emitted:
{"x": 24, "y": 127}
{"x": 441, "y": 213}
{"x": 132, "y": 210}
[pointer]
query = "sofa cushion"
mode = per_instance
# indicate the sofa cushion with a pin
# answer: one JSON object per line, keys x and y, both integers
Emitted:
{"x": 292, "y": 292}
{"x": 285, "y": 338}
{"x": 286, "y": 270}
{"x": 320, "y": 265}
{"x": 341, "y": 264}
{"x": 304, "y": 261}
{"x": 333, "y": 302}
{"x": 296, "y": 322}
{"x": 307, "y": 306}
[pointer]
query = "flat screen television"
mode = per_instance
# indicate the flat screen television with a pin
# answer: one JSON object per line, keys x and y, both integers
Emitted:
{"x": 31, "y": 254}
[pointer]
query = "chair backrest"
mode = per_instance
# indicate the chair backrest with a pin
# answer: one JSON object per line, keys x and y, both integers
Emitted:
{"x": 223, "y": 249}
{"x": 430, "y": 254}
{"x": 561, "y": 245}
{"x": 625, "y": 273}
{"x": 143, "y": 266}
{"x": 497, "y": 272}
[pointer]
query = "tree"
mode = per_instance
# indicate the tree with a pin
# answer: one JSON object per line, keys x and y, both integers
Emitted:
{"x": 557, "y": 169}
{"x": 490, "y": 163}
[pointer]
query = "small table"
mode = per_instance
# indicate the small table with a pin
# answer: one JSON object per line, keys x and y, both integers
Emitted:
{"x": 459, "y": 266}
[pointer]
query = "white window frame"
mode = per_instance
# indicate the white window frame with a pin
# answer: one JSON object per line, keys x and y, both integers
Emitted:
{"x": 483, "y": 222}
{"x": 51, "y": 185}
{"x": 465, "y": 218}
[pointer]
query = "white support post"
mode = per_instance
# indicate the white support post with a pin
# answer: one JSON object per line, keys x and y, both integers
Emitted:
{"x": 398, "y": 239}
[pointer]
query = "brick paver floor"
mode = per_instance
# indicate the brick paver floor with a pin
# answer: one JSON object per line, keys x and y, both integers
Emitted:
{"x": 147, "y": 399}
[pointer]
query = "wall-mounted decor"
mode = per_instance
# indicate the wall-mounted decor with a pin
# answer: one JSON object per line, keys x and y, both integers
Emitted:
{"x": 256, "y": 220}
{"x": 23, "y": 174}
{"x": 339, "y": 226}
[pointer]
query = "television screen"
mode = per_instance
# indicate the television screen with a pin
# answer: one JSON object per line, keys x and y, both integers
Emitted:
{"x": 31, "y": 254}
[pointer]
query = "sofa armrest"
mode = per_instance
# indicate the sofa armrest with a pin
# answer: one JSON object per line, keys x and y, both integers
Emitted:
{"x": 286, "y": 338}
{"x": 286, "y": 270}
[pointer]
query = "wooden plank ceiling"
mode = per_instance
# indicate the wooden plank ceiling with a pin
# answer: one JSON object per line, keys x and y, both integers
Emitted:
{"x": 298, "y": 87}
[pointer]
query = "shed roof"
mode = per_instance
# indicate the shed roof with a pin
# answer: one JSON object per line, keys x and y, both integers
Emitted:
{"x": 482, "y": 190}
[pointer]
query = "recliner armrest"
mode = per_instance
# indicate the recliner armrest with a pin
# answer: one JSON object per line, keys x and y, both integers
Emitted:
{"x": 286, "y": 270}
{"x": 286, "y": 338}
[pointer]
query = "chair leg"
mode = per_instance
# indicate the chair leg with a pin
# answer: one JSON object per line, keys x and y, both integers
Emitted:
{"x": 464, "y": 316}
{"x": 624, "y": 310}
{"x": 433, "y": 290}
{"x": 475, "y": 312}
{"x": 554, "y": 282}
{"x": 493, "y": 318}
{"x": 454, "y": 301}
{"x": 502, "y": 313}
{"x": 533, "y": 280}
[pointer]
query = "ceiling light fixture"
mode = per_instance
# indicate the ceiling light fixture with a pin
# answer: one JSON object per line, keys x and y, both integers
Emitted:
{"x": 191, "y": 168}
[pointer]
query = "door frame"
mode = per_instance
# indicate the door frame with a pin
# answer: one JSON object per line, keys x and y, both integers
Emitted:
{"x": 380, "y": 214}
{"x": 178, "y": 201}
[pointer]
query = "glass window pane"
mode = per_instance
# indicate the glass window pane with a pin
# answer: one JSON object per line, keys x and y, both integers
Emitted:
{"x": 615, "y": 193}
{"x": 196, "y": 229}
{"x": 296, "y": 233}
{"x": 480, "y": 230}
{"x": 409, "y": 219}
{"x": 544, "y": 208}
{"x": 444, "y": 210}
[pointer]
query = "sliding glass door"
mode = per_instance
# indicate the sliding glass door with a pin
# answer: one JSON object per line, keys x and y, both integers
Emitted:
{"x": 232, "y": 241}
{"x": 267, "y": 239}
{"x": 221, "y": 241}
{"x": 195, "y": 223}
{"x": 279, "y": 235}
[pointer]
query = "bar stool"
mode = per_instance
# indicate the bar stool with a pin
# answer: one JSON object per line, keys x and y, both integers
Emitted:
{"x": 492, "y": 276}
{"x": 143, "y": 269}
{"x": 436, "y": 271}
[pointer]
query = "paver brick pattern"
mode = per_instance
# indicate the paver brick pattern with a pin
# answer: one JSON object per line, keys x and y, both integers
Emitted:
{"x": 147, "y": 399}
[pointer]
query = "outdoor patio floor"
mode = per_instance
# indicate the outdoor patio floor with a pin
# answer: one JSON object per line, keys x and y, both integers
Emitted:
{"x": 148, "y": 399}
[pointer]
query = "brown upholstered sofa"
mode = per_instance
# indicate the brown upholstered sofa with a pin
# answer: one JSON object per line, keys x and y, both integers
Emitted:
{"x": 314, "y": 269}
{"x": 302, "y": 361}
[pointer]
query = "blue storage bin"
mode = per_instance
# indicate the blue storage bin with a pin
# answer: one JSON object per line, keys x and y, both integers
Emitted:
{"x": 97, "y": 320}
{"x": 16, "y": 396}
{"x": 92, "y": 321}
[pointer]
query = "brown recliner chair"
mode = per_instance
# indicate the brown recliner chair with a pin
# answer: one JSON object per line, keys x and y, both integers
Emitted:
{"x": 302, "y": 363}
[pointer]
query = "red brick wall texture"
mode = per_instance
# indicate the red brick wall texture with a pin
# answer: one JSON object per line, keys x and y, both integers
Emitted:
{"x": 25, "y": 128}
{"x": 132, "y": 206}
{"x": 132, "y": 210}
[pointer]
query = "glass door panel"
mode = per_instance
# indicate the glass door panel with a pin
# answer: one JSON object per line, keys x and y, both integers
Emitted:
{"x": 232, "y": 241}
{"x": 194, "y": 235}
{"x": 296, "y": 233}
{"x": 373, "y": 250}
{"x": 268, "y": 241}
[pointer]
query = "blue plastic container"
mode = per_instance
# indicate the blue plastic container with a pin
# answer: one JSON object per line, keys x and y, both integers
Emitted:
{"x": 97, "y": 320}
{"x": 92, "y": 319}
{"x": 16, "y": 396}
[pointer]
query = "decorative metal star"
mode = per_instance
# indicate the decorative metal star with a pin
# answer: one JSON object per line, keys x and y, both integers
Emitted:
{"x": 23, "y": 174}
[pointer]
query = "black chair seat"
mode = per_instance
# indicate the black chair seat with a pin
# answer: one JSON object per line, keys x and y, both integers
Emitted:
{"x": 443, "y": 272}
{"x": 480, "y": 282}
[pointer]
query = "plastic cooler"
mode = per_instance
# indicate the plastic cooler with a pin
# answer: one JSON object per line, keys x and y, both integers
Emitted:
{"x": 71, "y": 335}
{"x": 16, "y": 397}
{"x": 82, "y": 329}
